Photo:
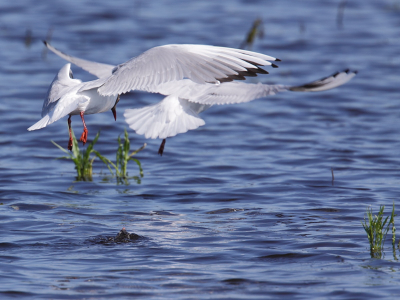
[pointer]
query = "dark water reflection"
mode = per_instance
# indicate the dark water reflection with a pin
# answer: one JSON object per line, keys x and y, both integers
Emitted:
{"x": 242, "y": 208}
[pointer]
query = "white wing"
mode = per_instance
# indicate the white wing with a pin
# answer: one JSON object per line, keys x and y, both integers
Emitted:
{"x": 59, "y": 110}
{"x": 98, "y": 69}
{"x": 61, "y": 84}
{"x": 326, "y": 83}
{"x": 216, "y": 94}
{"x": 236, "y": 92}
{"x": 94, "y": 84}
{"x": 239, "y": 92}
{"x": 167, "y": 118}
{"x": 199, "y": 63}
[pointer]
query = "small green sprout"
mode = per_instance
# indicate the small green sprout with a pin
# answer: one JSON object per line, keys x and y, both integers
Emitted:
{"x": 377, "y": 228}
{"x": 122, "y": 158}
{"x": 81, "y": 158}
{"x": 84, "y": 162}
{"x": 256, "y": 30}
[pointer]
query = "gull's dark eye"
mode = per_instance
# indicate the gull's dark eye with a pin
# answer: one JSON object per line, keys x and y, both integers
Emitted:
{"x": 70, "y": 74}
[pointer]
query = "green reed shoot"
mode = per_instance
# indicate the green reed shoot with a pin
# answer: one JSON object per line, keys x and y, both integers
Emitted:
{"x": 81, "y": 158}
{"x": 377, "y": 228}
{"x": 255, "y": 31}
{"x": 122, "y": 158}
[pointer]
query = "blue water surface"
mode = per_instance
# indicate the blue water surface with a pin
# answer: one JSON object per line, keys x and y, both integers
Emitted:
{"x": 244, "y": 207}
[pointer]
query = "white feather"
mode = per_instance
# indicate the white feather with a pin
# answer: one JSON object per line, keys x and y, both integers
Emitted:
{"x": 41, "y": 123}
{"x": 167, "y": 118}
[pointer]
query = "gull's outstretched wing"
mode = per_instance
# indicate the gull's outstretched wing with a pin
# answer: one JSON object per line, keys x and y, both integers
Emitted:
{"x": 239, "y": 92}
{"x": 178, "y": 112}
{"x": 200, "y": 63}
{"x": 167, "y": 118}
{"x": 327, "y": 83}
{"x": 98, "y": 69}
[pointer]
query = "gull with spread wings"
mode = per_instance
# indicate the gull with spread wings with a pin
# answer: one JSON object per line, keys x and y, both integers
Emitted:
{"x": 192, "y": 77}
{"x": 147, "y": 72}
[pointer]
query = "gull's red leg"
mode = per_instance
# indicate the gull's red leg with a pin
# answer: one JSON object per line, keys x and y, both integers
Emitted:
{"x": 84, "y": 135}
{"x": 70, "y": 134}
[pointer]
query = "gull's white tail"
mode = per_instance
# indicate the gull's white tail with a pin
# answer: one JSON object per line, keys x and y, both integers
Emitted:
{"x": 41, "y": 123}
{"x": 167, "y": 118}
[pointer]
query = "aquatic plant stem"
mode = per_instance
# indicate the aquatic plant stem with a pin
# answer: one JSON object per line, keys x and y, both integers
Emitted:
{"x": 377, "y": 228}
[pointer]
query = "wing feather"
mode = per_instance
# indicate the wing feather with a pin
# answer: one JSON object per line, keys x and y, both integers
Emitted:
{"x": 60, "y": 110}
{"x": 98, "y": 69}
{"x": 233, "y": 92}
{"x": 167, "y": 118}
{"x": 327, "y": 83}
{"x": 165, "y": 63}
{"x": 239, "y": 92}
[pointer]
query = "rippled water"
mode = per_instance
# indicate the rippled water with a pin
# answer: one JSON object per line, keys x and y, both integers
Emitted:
{"x": 242, "y": 208}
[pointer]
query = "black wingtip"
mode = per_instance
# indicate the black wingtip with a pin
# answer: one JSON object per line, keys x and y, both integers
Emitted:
{"x": 277, "y": 59}
{"x": 45, "y": 43}
{"x": 274, "y": 66}
{"x": 261, "y": 71}
{"x": 355, "y": 72}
